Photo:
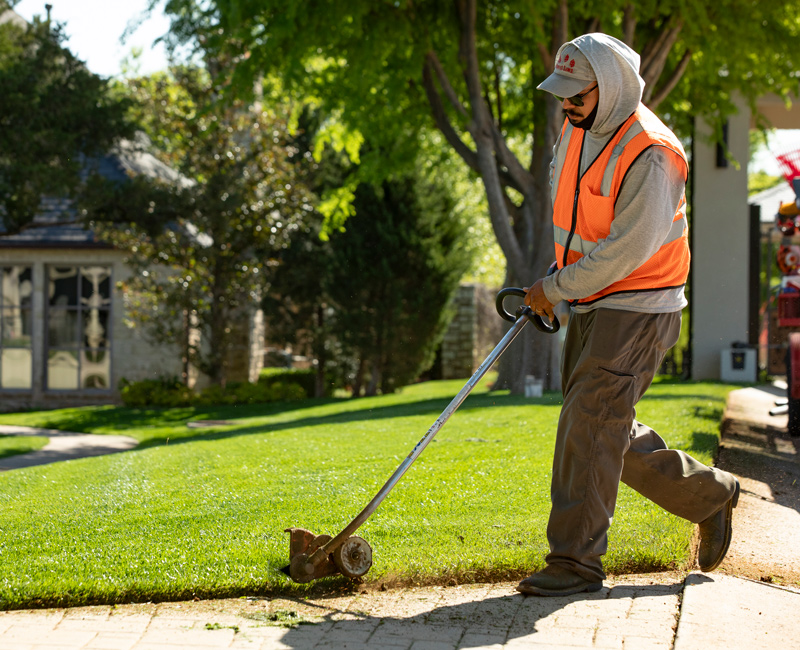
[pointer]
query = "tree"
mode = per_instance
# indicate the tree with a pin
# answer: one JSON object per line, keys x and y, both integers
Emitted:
{"x": 394, "y": 271}
{"x": 54, "y": 114}
{"x": 388, "y": 68}
{"x": 371, "y": 300}
{"x": 200, "y": 247}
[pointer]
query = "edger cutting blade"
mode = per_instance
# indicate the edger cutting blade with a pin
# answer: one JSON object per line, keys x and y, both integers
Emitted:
{"x": 352, "y": 557}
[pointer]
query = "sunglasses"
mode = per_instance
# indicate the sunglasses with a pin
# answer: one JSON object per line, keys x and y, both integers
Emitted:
{"x": 576, "y": 100}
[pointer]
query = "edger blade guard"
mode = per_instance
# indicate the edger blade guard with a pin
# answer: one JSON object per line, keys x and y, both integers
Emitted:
{"x": 309, "y": 558}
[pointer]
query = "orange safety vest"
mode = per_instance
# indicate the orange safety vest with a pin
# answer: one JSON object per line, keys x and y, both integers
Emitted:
{"x": 583, "y": 207}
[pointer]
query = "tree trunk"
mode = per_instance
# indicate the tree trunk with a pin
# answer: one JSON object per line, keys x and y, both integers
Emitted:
{"x": 374, "y": 379}
{"x": 358, "y": 382}
{"x": 320, "y": 354}
{"x": 537, "y": 353}
{"x": 185, "y": 347}
{"x": 523, "y": 232}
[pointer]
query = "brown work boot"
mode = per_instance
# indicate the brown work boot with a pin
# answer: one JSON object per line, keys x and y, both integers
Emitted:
{"x": 556, "y": 580}
{"x": 715, "y": 534}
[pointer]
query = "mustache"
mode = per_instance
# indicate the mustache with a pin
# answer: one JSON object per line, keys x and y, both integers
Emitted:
{"x": 569, "y": 112}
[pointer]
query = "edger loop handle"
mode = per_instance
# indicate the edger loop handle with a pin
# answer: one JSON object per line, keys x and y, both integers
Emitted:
{"x": 524, "y": 310}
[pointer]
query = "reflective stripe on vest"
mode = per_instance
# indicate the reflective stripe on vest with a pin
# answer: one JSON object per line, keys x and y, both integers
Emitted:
{"x": 583, "y": 206}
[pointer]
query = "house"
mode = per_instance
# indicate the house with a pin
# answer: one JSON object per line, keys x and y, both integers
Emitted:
{"x": 725, "y": 238}
{"x": 63, "y": 334}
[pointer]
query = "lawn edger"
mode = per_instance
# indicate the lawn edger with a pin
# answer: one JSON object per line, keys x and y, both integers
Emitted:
{"x": 315, "y": 556}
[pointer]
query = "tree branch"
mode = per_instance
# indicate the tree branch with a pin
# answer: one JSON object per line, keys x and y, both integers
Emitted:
{"x": 671, "y": 82}
{"x": 482, "y": 132}
{"x": 628, "y": 24}
{"x": 520, "y": 177}
{"x": 558, "y": 36}
{"x": 498, "y": 95}
{"x": 451, "y": 135}
{"x": 432, "y": 60}
{"x": 653, "y": 64}
{"x": 592, "y": 26}
{"x": 442, "y": 121}
{"x": 560, "y": 29}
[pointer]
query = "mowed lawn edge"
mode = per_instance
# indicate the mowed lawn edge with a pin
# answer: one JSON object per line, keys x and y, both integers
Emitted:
{"x": 202, "y": 512}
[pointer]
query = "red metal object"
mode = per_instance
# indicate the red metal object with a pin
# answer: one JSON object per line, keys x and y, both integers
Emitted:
{"x": 789, "y": 163}
{"x": 794, "y": 363}
{"x": 789, "y": 309}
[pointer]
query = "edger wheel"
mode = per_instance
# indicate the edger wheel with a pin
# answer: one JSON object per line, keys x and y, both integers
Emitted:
{"x": 353, "y": 557}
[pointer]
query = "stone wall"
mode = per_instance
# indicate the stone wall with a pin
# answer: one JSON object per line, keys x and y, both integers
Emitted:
{"x": 473, "y": 332}
{"x": 247, "y": 351}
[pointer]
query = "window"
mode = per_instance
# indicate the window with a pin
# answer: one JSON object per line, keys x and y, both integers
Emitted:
{"x": 16, "y": 325}
{"x": 78, "y": 321}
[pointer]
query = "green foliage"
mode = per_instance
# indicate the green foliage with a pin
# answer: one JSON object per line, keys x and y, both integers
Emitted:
{"x": 390, "y": 71}
{"x": 364, "y": 61}
{"x": 162, "y": 392}
{"x": 301, "y": 377}
{"x": 369, "y": 301}
{"x": 54, "y": 114}
{"x": 392, "y": 274}
{"x": 171, "y": 393}
{"x": 199, "y": 513}
{"x": 760, "y": 181}
{"x": 199, "y": 246}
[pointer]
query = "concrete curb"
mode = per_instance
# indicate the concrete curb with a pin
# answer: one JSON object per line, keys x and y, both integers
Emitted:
{"x": 721, "y": 611}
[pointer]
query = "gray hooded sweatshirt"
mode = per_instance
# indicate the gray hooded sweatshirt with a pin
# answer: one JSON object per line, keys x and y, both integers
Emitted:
{"x": 647, "y": 201}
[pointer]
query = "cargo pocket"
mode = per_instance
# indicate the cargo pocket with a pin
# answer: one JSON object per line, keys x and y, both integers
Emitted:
{"x": 601, "y": 414}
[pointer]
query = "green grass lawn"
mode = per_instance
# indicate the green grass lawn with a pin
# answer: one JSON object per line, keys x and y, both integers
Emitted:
{"x": 198, "y": 512}
{"x": 14, "y": 445}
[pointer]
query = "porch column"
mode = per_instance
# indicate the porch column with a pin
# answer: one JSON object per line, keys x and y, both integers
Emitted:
{"x": 720, "y": 245}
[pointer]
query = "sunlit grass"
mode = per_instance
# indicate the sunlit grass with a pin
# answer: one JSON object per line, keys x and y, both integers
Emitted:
{"x": 202, "y": 513}
{"x": 13, "y": 445}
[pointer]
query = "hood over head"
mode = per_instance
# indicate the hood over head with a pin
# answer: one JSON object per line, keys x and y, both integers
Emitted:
{"x": 616, "y": 68}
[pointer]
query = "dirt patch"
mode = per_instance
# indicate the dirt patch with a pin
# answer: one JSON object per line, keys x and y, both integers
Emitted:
{"x": 766, "y": 524}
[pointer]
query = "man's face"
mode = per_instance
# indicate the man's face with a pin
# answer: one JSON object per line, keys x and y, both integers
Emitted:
{"x": 589, "y": 95}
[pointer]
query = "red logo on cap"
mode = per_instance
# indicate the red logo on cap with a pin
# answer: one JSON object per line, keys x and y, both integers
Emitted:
{"x": 572, "y": 63}
{"x": 566, "y": 56}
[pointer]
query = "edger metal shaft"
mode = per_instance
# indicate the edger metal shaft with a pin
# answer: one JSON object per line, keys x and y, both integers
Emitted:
{"x": 362, "y": 516}
{"x": 326, "y": 555}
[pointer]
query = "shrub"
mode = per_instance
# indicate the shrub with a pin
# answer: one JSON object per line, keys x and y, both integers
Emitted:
{"x": 305, "y": 378}
{"x": 164, "y": 391}
{"x": 170, "y": 392}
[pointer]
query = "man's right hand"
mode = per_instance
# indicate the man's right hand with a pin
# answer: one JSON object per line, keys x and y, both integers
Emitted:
{"x": 537, "y": 301}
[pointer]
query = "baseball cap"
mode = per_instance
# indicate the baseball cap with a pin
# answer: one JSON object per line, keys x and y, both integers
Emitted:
{"x": 571, "y": 74}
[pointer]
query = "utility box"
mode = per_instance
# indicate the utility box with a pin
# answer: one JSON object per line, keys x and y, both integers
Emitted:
{"x": 738, "y": 365}
{"x": 533, "y": 386}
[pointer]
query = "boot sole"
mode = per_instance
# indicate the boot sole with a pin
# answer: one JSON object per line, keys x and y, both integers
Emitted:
{"x": 538, "y": 591}
{"x": 729, "y": 532}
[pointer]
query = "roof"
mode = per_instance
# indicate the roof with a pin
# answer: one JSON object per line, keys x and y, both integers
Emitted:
{"x": 11, "y": 16}
{"x": 770, "y": 200}
{"x": 54, "y": 225}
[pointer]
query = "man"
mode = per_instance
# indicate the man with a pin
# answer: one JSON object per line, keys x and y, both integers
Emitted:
{"x": 619, "y": 211}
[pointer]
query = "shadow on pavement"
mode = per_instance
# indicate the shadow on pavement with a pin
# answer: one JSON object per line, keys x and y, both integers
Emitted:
{"x": 768, "y": 455}
{"x": 467, "y": 619}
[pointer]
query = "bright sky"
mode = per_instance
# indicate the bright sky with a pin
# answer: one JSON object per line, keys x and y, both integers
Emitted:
{"x": 95, "y": 28}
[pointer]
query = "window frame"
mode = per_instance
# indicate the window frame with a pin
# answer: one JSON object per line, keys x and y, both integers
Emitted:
{"x": 80, "y": 309}
{"x": 29, "y": 309}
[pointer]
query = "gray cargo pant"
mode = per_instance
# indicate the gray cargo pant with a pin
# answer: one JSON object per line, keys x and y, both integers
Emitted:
{"x": 608, "y": 362}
